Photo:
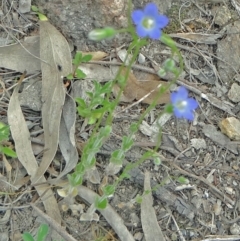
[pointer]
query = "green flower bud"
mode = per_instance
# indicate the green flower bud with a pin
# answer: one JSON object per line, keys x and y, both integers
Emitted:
{"x": 103, "y": 33}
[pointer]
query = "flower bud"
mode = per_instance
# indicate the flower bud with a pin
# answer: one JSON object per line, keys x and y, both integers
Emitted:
{"x": 103, "y": 33}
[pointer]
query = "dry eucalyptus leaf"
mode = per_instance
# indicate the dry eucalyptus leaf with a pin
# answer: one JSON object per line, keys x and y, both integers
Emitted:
{"x": 57, "y": 62}
{"x": 21, "y": 56}
{"x": 67, "y": 136}
{"x": 21, "y": 137}
{"x": 198, "y": 37}
{"x": 151, "y": 228}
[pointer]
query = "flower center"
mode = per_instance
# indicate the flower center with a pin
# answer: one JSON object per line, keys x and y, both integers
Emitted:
{"x": 181, "y": 105}
{"x": 148, "y": 23}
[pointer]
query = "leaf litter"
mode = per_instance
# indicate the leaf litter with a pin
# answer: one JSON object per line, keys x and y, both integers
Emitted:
{"x": 207, "y": 133}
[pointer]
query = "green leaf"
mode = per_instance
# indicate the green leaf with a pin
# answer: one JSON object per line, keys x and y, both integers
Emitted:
{"x": 127, "y": 143}
{"x": 121, "y": 81}
{"x": 117, "y": 157}
{"x": 161, "y": 72}
{"x": 80, "y": 168}
{"x": 168, "y": 41}
{"x": 169, "y": 108}
{"x": 77, "y": 58}
{"x": 86, "y": 58}
{"x": 169, "y": 64}
{"x": 69, "y": 76}
{"x": 42, "y": 232}
{"x": 34, "y": 8}
{"x": 27, "y": 237}
{"x": 105, "y": 131}
{"x": 78, "y": 179}
{"x": 81, "y": 102}
{"x": 108, "y": 190}
{"x": 183, "y": 180}
{"x": 4, "y": 131}
{"x": 80, "y": 74}
{"x": 101, "y": 202}
{"x": 157, "y": 161}
{"x": 138, "y": 199}
{"x": 134, "y": 128}
{"x": 9, "y": 152}
{"x": 75, "y": 179}
{"x": 42, "y": 17}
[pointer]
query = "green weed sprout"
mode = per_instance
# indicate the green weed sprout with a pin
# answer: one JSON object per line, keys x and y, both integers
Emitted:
{"x": 4, "y": 136}
{"x": 41, "y": 234}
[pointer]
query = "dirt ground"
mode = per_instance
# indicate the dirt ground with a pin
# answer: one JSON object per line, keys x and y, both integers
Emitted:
{"x": 205, "y": 151}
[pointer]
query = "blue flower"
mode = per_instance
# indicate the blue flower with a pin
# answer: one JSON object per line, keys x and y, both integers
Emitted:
{"x": 149, "y": 22}
{"x": 183, "y": 106}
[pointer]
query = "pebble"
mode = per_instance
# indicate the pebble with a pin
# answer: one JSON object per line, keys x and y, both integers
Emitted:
{"x": 235, "y": 229}
{"x": 198, "y": 143}
{"x": 141, "y": 59}
{"x": 231, "y": 127}
{"x": 233, "y": 93}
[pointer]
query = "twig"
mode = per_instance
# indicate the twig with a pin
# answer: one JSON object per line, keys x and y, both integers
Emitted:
{"x": 217, "y": 192}
{"x": 174, "y": 220}
{"x": 53, "y": 224}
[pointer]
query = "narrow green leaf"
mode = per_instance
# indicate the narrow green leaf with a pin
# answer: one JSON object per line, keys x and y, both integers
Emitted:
{"x": 27, "y": 237}
{"x": 101, "y": 203}
{"x": 9, "y": 152}
{"x": 80, "y": 74}
{"x": 86, "y": 58}
{"x": 42, "y": 232}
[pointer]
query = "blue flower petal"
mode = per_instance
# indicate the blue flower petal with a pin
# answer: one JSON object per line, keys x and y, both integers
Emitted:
{"x": 151, "y": 10}
{"x": 183, "y": 106}
{"x": 137, "y": 16}
{"x": 155, "y": 33}
{"x": 182, "y": 92}
{"x": 141, "y": 31}
{"x": 188, "y": 115}
{"x": 175, "y": 98}
{"x": 162, "y": 21}
{"x": 192, "y": 103}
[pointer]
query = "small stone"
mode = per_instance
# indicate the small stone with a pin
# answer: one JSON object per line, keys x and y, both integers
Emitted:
{"x": 138, "y": 236}
{"x": 231, "y": 127}
{"x": 223, "y": 15}
{"x": 198, "y": 143}
{"x": 233, "y": 93}
{"x": 141, "y": 59}
{"x": 229, "y": 190}
{"x": 235, "y": 229}
{"x": 217, "y": 207}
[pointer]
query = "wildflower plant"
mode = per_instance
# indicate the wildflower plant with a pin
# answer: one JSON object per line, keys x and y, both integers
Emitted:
{"x": 143, "y": 25}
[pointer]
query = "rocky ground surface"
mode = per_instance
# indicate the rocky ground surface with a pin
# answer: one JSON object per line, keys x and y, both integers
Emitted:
{"x": 205, "y": 151}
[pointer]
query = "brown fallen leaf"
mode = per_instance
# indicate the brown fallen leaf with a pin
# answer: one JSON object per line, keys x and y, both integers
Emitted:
{"x": 135, "y": 89}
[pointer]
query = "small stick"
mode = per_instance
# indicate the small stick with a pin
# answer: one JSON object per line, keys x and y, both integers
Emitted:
{"x": 53, "y": 224}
